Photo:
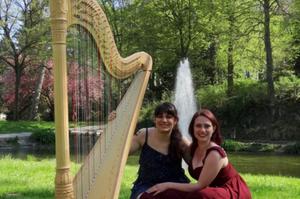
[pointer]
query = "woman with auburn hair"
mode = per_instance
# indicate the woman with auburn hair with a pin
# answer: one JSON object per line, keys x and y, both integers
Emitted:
{"x": 216, "y": 177}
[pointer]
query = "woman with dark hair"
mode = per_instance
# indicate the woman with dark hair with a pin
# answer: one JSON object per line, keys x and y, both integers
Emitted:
{"x": 162, "y": 149}
{"x": 210, "y": 166}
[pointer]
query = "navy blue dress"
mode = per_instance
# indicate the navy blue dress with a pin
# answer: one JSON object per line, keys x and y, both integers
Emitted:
{"x": 156, "y": 167}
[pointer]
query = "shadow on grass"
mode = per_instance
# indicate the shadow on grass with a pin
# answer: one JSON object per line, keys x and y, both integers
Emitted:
{"x": 30, "y": 194}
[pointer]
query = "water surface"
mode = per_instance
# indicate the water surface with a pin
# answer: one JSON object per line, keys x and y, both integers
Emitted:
{"x": 271, "y": 164}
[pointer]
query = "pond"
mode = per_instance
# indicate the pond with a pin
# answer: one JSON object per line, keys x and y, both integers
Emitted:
{"x": 271, "y": 164}
{"x": 254, "y": 163}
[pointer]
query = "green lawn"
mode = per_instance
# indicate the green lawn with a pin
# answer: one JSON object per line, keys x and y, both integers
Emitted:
{"x": 26, "y": 179}
{"x": 24, "y": 126}
{"x": 34, "y": 179}
{"x": 28, "y": 126}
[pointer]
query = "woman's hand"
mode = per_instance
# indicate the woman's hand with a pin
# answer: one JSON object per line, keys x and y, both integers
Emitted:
{"x": 158, "y": 188}
{"x": 112, "y": 116}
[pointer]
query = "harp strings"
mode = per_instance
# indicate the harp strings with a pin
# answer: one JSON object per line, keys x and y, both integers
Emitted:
{"x": 93, "y": 94}
{"x": 85, "y": 96}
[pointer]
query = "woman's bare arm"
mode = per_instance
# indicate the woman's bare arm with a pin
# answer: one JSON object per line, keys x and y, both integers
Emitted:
{"x": 137, "y": 141}
{"x": 213, "y": 164}
{"x": 186, "y": 150}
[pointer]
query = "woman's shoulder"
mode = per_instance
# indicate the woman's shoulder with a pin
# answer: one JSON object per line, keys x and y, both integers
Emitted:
{"x": 184, "y": 143}
{"x": 216, "y": 150}
{"x": 143, "y": 133}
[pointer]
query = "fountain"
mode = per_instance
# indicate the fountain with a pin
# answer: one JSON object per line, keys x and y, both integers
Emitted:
{"x": 184, "y": 97}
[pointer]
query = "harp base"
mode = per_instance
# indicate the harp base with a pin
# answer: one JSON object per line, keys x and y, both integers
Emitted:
{"x": 63, "y": 184}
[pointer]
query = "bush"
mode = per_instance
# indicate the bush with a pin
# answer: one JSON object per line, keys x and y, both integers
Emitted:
{"x": 234, "y": 111}
{"x": 45, "y": 137}
{"x": 293, "y": 148}
{"x": 231, "y": 145}
{"x": 146, "y": 115}
{"x": 288, "y": 88}
{"x": 248, "y": 111}
{"x": 262, "y": 147}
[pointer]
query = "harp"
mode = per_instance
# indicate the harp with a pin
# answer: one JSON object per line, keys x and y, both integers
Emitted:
{"x": 107, "y": 169}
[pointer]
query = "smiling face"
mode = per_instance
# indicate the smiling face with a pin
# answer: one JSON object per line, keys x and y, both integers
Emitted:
{"x": 165, "y": 117}
{"x": 203, "y": 129}
{"x": 165, "y": 122}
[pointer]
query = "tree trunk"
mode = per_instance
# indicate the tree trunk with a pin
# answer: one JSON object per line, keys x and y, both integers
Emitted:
{"x": 17, "y": 95}
{"x": 230, "y": 68}
{"x": 230, "y": 65}
{"x": 268, "y": 49}
{"x": 297, "y": 66}
{"x": 37, "y": 94}
{"x": 212, "y": 53}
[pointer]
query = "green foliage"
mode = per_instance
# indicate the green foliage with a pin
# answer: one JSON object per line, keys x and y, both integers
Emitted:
{"x": 269, "y": 148}
{"x": 236, "y": 146}
{"x": 247, "y": 112}
{"x": 233, "y": 110}
{"x": 231, "y": 145}
{"x": 292, "y": 148}
{"x": 249, "y": 89}
{"x": 146, "y": 115}
{"x": 246, "y": 91}
{"x": 211, "y": 95}
{"x": 288, "y": 88}
{"x": 260, "y": 147}
{"x": 24, "y": 126}
{"x": 45, "y": 137}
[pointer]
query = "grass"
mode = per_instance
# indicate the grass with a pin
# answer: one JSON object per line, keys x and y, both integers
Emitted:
{"x": 28, "y": 126}
{"x": 275, "y": 187}
{"x": 26, "y": 179}
{"x": 33, "y": 178}
{"x": 24, "y": 126}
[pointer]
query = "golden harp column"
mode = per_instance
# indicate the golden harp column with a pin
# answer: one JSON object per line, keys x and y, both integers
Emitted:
{"x": 63, "y": 179}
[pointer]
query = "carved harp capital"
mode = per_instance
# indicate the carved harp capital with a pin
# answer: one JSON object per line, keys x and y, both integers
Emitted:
{"x": 89, "y": 15}
{"x": 58, "y": 12}
{"x": 146, "y": 61}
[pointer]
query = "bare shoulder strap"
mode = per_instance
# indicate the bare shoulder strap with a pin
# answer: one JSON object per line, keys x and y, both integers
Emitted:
{"x": 219, "y": 149}
{"x": 146, "y": 137}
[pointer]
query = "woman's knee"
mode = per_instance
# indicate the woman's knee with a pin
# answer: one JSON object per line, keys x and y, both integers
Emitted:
{"x": 207, "y": 193}
{"x": 171, "y": 194}
{"x": 168, "y": 194}
{"x": 146, "y": 195}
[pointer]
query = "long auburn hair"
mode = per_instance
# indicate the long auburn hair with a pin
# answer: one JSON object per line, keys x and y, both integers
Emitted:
{"x": 216, "y": 137}
{"x": 176, "y": 136}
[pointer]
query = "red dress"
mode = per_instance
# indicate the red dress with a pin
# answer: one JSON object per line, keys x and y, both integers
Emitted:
{"x": 228, "y": 184}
